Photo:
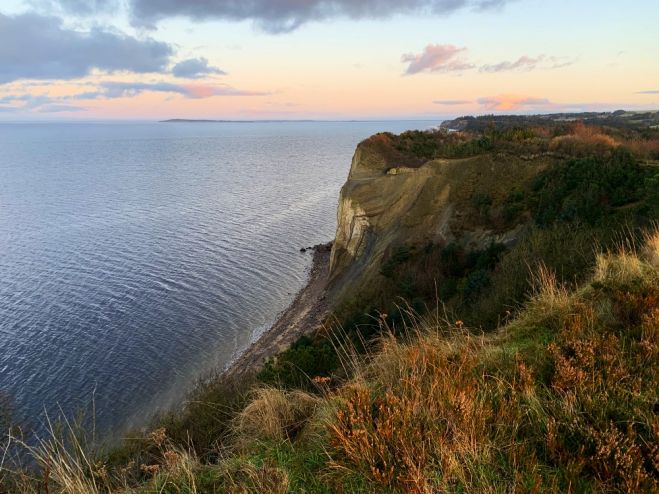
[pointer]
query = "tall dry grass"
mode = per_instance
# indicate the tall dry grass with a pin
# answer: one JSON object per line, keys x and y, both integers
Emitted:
{"x": 274, "y": 415}
{"x": 512, "y": 412}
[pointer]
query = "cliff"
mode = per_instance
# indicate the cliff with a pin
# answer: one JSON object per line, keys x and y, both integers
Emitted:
{"x": 390, "y": 200}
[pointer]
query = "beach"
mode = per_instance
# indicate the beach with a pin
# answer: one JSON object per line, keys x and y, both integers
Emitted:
{"x": 305, "y": 314}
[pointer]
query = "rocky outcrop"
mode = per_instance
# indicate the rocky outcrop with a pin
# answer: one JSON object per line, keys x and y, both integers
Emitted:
{"x": 390, "y": 200}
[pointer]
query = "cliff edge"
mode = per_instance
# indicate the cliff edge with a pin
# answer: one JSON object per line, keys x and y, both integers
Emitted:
{"x": 391, "y": 200}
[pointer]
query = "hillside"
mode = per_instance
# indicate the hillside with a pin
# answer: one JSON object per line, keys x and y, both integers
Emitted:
{"x": 494, "y": 289}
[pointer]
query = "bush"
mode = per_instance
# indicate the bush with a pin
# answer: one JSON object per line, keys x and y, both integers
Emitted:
{"x": 587, "y": 189}
{"x": 400, "y": 256}
{"x": 298, "y": 365}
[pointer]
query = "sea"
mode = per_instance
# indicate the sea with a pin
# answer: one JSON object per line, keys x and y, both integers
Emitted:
{"x": 138, "y": 258}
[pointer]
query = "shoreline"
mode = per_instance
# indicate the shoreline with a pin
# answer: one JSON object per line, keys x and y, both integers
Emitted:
{"x": 306, "y": 313}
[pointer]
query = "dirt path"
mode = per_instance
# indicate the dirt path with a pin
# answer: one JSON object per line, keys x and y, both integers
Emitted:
{"x": 305, "y": 314}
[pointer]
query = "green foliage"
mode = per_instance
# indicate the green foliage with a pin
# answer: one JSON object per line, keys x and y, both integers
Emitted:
{"x": 471, "y": 147}
{"x": 400, "y": 256}
{"x": 514, "y": 205}
{"x": 482, "y": 203}
{"x": 295, "y": 367}
{"x": 202, "y": 424}
{"x": 302, "y": 461}
{"x": 419, "y": 143}
{"x": 429, "y": 145}
{"x": 485, "y": 287}
{"x": 588, "y": 189}
{"x": 414, "y": 279}
{"x": 651, "y": 192}
{"x": 561, "y": 400}
{"x": 567, "y": 251}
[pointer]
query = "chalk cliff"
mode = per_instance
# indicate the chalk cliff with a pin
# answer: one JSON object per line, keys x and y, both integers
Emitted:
{"x": 391, "y": 199}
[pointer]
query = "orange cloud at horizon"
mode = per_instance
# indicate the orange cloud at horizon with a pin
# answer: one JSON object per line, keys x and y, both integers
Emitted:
{"x": 508, "y": 102}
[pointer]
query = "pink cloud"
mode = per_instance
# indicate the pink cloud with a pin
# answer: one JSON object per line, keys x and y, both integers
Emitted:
{"x": 112, "y": 89}
{"x": 436, "y": 58}
{"x": 199, "y": 91}
{"x": 526, "y": 63}
{"x": 522, "y": 63}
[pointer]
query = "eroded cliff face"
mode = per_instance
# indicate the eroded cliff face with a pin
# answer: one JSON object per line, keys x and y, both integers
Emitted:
{"x": 391, "y": 200}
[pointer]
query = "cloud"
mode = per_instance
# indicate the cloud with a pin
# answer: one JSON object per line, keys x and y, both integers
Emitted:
{"x": 195, "y": 91}
{"x": 522, "y": 63}
{"x": 560, "y": 62}
{"x": 649, "y": 91}
{"x": 436, "y": 58}
{"x": 79, "y": 7}
{"x": 11, "y": 98}
{"x": 39, "y": 47}
{"x": 44, "y": 103}
{"x": 279, "y": 16}
{"x": 452, "y": 102}
{"x": 526, "y": 63}
{"x": 194, "y": 68}
{"x": 40, "y": 103}
{"x": 529, "y": 63}
{"x": 509, "y": 102}
{"x": 446, "y": 58}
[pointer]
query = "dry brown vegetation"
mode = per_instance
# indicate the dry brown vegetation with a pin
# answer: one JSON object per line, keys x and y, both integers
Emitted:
{"x": 508, "y": 412}
{"x": 583, "y": 140}
{"x": 646, "y": 148}
{"x": 275, "y": 415}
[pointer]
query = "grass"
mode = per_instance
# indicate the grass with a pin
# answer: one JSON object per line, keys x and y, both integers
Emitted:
{"x": 275, "y": 415}
{"x": 562, "y": 399}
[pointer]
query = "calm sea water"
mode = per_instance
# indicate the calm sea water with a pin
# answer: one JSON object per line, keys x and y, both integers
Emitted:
{"x": 135, "y": 258}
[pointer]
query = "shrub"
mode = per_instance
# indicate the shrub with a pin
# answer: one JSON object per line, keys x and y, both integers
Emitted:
{"x": 583, "y": 140}
{"x": 644, "y": 148}
{"x": 587, "y": 189}
{"x": 400, "y": 256}
{"x": 430, "y": 419}
{"x": 298, "y": 365}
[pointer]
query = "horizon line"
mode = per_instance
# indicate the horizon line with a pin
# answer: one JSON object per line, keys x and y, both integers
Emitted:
{"x": 439, "y": 118}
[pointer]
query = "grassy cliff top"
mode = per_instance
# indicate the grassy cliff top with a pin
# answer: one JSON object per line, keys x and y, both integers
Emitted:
{"x": 566, "y": 135}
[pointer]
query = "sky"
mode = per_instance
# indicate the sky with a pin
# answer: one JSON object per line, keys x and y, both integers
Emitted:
{"x": 324, "y": 59}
